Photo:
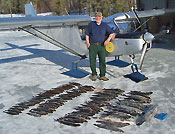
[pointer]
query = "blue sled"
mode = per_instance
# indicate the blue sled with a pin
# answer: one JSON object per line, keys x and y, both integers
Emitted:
{"x": 136, "y": 76}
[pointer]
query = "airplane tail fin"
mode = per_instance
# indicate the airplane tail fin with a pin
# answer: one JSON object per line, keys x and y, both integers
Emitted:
{"x": 29, "y": 10}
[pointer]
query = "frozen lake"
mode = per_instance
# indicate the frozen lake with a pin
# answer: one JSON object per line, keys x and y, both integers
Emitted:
{"x": 29, "y": 66}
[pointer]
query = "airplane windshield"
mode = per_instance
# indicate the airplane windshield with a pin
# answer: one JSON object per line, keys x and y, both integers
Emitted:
{"x": 126, "y": 26}
{"x": 114, "y": 27}
{"x": 123, "y": 26}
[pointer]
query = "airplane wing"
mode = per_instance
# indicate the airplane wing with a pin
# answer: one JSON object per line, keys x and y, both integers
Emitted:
{"x": 31, "y": 18}
{"x": 61, "y": 31}
{"x": 60, "y": 28}
{"x": 141, "y": 14}
{"x": 43, "y": 21}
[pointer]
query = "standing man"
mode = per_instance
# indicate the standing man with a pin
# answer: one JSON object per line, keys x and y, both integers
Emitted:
{"x": 97, "y": 38}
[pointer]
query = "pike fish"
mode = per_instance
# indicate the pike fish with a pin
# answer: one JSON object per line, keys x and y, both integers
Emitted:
{"x": 113, "y": 123}
{"x": 119, "y": 115}
{"x": 138, "y": 98}
{"x": 72, "y": 119}
{"x": 34, "y": 114}
{"x": 69, "y": 123}
{"x": 140, "y": 93}
{"x": 109, "y": 127}
{"x": 132, "y": 103}
{"x": 124, "y": 110}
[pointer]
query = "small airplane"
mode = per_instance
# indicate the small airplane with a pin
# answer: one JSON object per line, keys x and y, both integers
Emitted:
{"x": 64, "y": 32}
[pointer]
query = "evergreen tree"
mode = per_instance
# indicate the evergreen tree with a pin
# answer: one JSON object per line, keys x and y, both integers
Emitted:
{"x": 4, "y": 6}
{"x": 105, "y": 6}
{"x": 121, "y": 6}
{"x": 92, "y": 6}
{"x": 43, "y": 6}
{"x": 61, "y": 7}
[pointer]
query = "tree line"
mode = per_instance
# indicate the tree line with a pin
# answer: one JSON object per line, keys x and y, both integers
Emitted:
{"x": 63, "y": 7}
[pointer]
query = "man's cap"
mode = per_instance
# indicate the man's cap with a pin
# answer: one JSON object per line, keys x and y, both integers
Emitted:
{"x": 98, "y": 14}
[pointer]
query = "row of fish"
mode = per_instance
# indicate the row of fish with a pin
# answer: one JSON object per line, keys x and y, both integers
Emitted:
{"x": 133, "y": 108}
{"x": 90, "y": 108}
{"x": 52, "y": 104}
{"x": 18, "y": 108}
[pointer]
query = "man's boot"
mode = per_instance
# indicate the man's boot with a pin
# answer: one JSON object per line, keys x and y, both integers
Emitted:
{"x": 94, "y": 78}
{"x": 104, "y": 78}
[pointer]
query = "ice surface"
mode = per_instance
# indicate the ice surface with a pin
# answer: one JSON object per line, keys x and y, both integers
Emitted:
{"x": 29, "y": 66}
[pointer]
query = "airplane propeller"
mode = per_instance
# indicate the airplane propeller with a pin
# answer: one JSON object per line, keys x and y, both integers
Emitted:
{"x": 147, "y": 37}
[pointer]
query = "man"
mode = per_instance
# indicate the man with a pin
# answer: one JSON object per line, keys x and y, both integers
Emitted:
{"x": 97, "y": 39}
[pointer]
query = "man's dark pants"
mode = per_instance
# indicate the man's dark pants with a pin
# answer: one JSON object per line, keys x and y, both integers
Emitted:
{"x": 99, "y": 50}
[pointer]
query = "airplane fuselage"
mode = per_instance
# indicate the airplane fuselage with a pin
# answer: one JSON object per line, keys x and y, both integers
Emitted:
{"x": 130, "y": 43}
{"x": 124, "y": 44}
{"x": 127, "y": 46}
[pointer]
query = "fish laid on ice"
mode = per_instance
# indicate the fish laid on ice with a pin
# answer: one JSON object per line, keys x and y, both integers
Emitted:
{"x": 116, "y": 119}
{"x": 113, "y": 123}
{"x": 113, "y": 126}
{"x": 138, "y": 111}
{"x": 132, "y": 103}
{"x": 138, "y": 98}
{"x": 119, "y": 115}
{"x": 123, "y": 109}
{"x": 140, "y": 93}
{"x": 18, "y": 108}
{"x": 69, "y": 123}
{"x": 73, "y": 119}
{"x": 109, "y": 127}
